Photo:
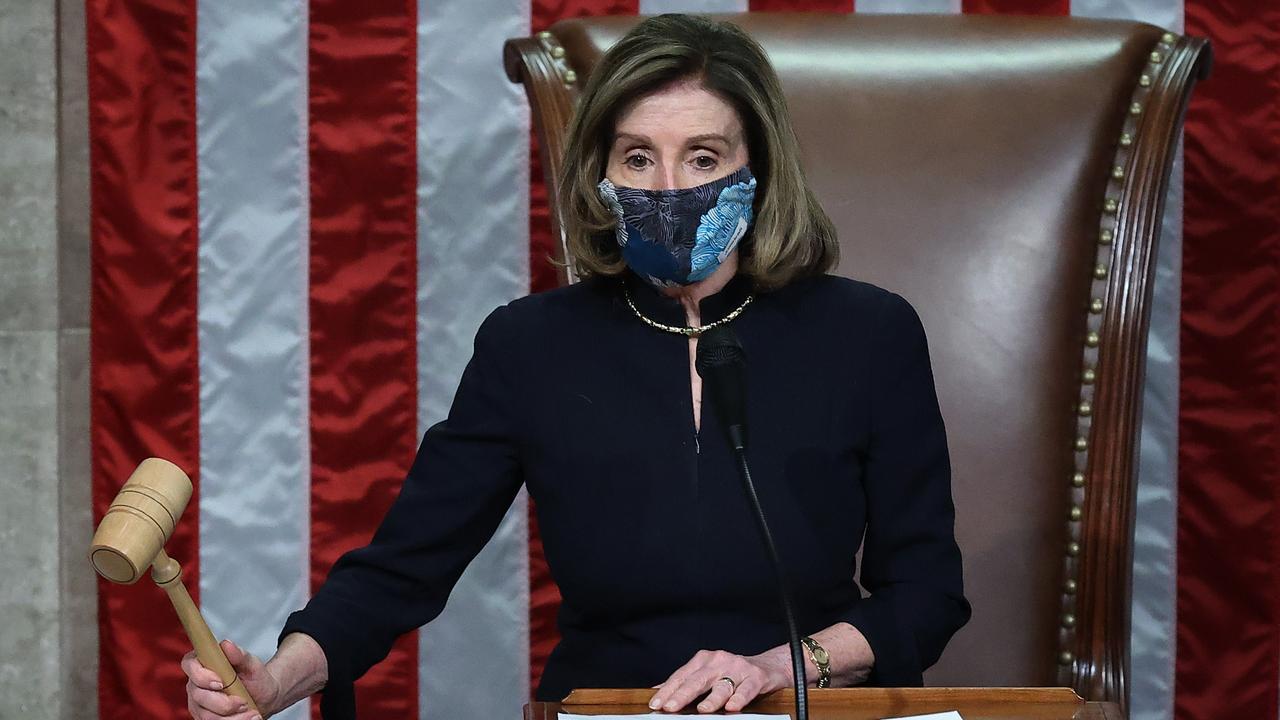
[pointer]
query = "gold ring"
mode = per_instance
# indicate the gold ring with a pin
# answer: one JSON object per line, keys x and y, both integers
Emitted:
{"x": 733, "y": 686}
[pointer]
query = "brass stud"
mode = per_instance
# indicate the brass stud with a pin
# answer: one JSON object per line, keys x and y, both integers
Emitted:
{"x": 1069, "y": 586}
{"x": 1077, "y": 480}
{"x": 1076, "y": 513}
{"x": 1100, "y": 272}
{"x": 1095, "y": 306}
{"x": 570, "y": 77}
{"x": 1126, "y": 140}
{"x": 1168, "y": 38}
{"x": 1086, "y": 408}
{"x": 1089, "y": 376}
{"x": 1066, "y": 658}
{"x": 1135, "y": 108}
{"x": 557, "y": 52}
{"x": 1144, "y": 81}
{"x": 544, "y": 35}
{"x": 1156, "y": 57}
{"x": 1082, "y": 444}
{"x": 1111, "y": 206}
{"x": 1117, "y": 172}
{"x": 1106, "y": 236}
{"x": 1092, "y": 339}
{"x": 1073, "y": 549}
{"x": 1068, "y": 621}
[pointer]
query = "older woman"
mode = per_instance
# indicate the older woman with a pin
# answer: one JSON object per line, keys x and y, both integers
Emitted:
{"x": 686, "y": 207}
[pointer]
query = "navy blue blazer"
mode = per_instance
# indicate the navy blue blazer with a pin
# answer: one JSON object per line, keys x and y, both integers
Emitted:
{"x": 644, "y": 522}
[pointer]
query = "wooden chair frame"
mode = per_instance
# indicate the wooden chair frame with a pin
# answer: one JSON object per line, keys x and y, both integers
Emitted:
{"x": 1097, "y": 563}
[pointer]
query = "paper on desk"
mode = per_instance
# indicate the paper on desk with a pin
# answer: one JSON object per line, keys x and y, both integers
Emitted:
{"x": 659, "y": 716}
{"x": 951, "y": 715}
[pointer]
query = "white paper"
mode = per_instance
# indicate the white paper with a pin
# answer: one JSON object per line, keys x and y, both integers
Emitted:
{"x": 666, "y": 716}
{"x": 953, "y": 715}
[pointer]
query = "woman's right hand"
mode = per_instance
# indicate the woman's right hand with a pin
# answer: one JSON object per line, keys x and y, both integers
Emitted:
{"x": 205, "y": 699}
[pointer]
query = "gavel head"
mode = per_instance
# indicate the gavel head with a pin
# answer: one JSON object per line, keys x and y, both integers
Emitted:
{"x": 140, "y": 521}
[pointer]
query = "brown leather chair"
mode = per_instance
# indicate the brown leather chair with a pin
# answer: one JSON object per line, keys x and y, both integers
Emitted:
{"x": 1007, "y": 176}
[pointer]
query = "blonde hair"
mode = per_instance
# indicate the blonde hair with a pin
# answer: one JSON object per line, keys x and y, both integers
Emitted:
{"x": 792, "y": 235}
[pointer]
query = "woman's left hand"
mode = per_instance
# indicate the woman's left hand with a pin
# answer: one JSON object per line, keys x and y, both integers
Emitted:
{"x": 750, "y": 676}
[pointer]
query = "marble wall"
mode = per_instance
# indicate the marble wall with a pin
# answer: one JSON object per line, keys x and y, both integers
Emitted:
{"x": 48, "y": 650}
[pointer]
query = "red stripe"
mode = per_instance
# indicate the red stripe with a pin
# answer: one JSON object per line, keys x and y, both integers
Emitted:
{"x": 363, "y": 275}
{"x": 543, "y": 274}
{"x": 1016, "y": 7}
{"x": 1228, "y": 638}
{"x": 835, "y": 6}
{"x": 144, "y": 366}
{"x": 544, "y": 596}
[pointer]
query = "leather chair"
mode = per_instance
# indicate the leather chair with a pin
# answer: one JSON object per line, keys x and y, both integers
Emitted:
{"x": 1007, "y": 176}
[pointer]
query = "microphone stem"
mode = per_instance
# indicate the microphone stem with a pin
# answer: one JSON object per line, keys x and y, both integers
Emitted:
{"x": 784, "y": 589}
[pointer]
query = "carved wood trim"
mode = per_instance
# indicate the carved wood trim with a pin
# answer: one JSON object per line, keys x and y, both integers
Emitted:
{"x": 539, "y": 63}
{"x": 863, "y": 703}
{"x": 784, "y": 699}
{"x": 1098, "y": 563}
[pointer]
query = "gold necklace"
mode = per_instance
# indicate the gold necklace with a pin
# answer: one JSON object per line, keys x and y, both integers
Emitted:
{"x": 686, "y": 331}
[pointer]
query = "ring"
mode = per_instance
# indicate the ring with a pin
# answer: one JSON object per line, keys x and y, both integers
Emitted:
{"x": 733, "y": 686}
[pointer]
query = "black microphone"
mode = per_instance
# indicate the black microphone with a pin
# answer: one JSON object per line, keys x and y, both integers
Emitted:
{"x": 722, "y": 364}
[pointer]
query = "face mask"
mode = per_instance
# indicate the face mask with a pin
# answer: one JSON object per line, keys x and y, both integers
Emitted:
{"x": 677, "y": 237}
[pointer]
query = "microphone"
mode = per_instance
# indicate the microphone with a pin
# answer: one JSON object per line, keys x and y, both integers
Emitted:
{"x": 722, "y": 364}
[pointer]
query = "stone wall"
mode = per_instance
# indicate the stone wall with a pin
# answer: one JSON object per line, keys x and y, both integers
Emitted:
{"x": 48, "y": 646}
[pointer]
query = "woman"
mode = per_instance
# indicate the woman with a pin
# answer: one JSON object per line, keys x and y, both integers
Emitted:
{"x": 686, "y": 207}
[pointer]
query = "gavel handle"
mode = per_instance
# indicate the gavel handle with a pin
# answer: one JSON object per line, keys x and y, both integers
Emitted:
{"x": 168, "y": 574}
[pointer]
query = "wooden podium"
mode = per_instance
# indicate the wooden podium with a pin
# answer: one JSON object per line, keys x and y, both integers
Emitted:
{"x": 865, "y": 704}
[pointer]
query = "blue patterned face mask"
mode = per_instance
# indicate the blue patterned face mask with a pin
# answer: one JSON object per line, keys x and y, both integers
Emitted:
{"x": 678, "y": 237}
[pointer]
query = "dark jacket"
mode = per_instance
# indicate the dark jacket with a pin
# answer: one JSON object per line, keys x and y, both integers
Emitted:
{"x": 644, "y": 522}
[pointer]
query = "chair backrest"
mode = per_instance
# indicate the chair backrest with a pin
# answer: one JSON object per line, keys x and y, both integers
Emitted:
{"x": 1007, "y": 176}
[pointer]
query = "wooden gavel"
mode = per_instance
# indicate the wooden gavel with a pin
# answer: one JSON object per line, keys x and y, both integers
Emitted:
{"x": 131, "y": 538}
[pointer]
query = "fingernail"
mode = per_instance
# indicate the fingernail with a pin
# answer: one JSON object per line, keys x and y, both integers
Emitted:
{"x": 242, "y": 708}
{"x": 654, "y": 703}
{"x": 670, "y": 707}
{"x": 216, "y": 685}
{"x": 256, "y": 717}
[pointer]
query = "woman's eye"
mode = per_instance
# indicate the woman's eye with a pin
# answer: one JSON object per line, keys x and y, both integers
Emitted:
{"x": 704, "y": 162}
{"x": 636, "y": 162}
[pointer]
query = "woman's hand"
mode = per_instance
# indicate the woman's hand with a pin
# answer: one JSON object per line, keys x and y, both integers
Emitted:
{"x": 751, "y": 676}
{"x": 205, "y": 699}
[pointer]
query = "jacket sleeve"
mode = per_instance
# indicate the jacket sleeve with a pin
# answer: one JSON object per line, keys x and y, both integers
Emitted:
{"x": 464, "y": 478}
{"x": 910, "y": 560}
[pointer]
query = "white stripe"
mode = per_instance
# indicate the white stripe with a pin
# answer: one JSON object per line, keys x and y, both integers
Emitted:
{"x": 251, "y": 60}
{"x": 907, "y": 6}
{"x": 1164, "y": 13}
{"x": 473, "y": 250}
{"x": 1153, "y": 644}
{"x": 657, "y": 7}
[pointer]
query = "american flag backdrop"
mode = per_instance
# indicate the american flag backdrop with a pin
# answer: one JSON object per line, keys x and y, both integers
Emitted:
{"x": 301, "y": 213}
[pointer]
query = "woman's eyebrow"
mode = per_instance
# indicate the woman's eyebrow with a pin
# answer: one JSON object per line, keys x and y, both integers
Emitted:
{"x": 696, "y": 139}
{"x": 633, "y": 138}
